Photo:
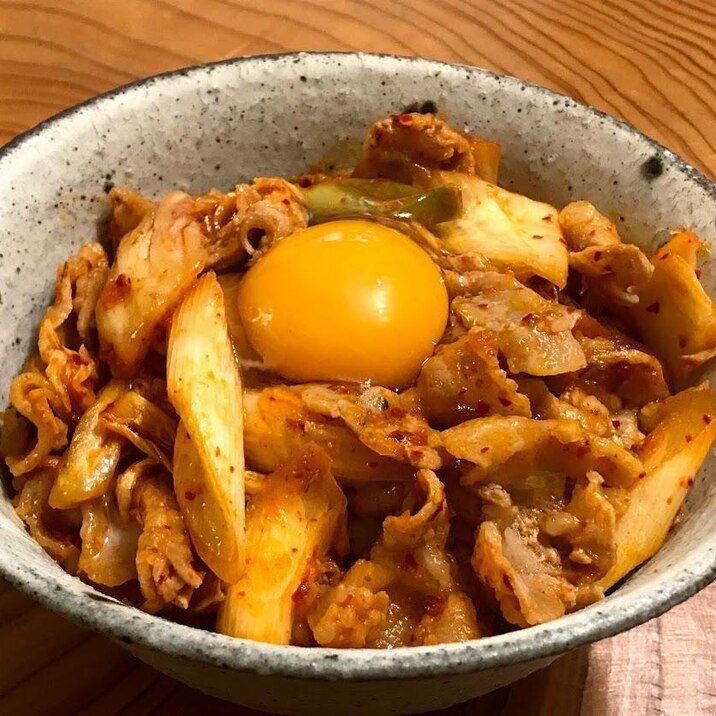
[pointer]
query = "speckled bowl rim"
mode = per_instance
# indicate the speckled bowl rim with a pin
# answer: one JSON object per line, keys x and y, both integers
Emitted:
{"x": 603, "y": 619}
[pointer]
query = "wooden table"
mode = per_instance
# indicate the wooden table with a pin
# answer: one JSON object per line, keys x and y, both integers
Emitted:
{"x": 650, "y": 62}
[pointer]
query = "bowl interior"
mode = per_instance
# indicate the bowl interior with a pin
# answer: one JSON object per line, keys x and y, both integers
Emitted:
{"x": 220, "y": 124}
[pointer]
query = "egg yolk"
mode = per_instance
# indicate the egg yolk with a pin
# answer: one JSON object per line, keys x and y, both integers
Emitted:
{"x": 344, "y": 301}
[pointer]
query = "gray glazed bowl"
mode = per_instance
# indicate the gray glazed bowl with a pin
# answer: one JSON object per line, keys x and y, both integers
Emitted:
{"x": 213, "y": 125}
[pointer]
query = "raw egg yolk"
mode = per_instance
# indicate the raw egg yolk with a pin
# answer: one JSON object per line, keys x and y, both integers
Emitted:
{"x": 344, "y": 301}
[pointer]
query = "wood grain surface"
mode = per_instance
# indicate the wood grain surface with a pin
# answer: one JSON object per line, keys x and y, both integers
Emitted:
{"x": 650, "y": 62}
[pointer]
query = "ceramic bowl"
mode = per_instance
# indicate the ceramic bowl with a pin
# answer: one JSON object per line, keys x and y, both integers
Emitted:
{"x": 217, "y": 124}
